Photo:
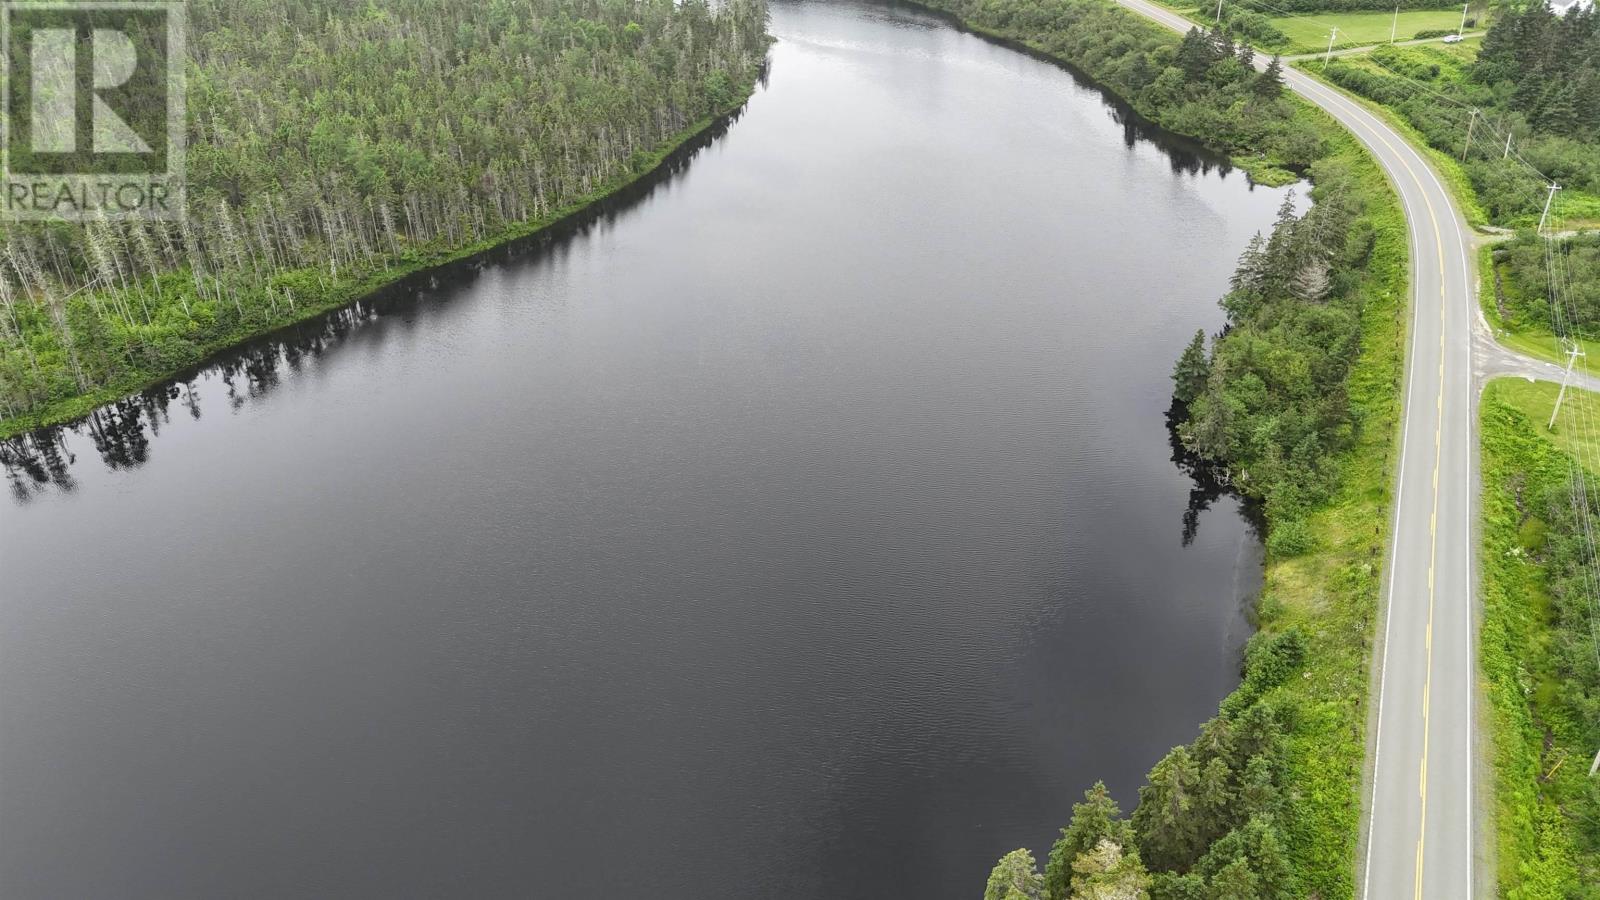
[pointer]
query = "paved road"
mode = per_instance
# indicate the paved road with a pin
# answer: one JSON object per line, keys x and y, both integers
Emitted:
{"x": 1420, "y": 835}
{"x": 1491, "y": 360}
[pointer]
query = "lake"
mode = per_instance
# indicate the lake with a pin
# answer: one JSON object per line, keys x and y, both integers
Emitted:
{"x": 805, "y": 525}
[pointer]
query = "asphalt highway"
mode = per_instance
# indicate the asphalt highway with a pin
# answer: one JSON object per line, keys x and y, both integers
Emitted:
{"x": 1419, "y": 835}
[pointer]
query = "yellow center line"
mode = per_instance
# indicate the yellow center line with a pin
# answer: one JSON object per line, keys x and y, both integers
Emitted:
{"x": 1333, "y": 97}
{"x": 1433, "y": 522}
{"x": 1433, "y": 541}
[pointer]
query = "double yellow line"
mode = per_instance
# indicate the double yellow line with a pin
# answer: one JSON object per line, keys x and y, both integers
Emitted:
{"x": 1332, "y": 96}
{"x": 1433, "y": 518}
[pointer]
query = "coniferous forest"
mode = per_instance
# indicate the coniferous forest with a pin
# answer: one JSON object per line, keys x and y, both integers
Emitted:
{"x": 1536, "y": 80}
{"x": 333, "y": 146}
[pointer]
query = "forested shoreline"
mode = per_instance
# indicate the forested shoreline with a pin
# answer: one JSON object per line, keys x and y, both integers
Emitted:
{"x": 1296, "y": 399}
{"x": 311, "y": 182}
{"x": 1203, "y": 87}
{"x": 1298, "y": 396}
{"x": 294, "y": 213}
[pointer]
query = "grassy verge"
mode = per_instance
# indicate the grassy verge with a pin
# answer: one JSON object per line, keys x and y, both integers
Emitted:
{"x": 1332, "y": 593}
{"x": 1511, "y": 330}
{"x": 318, "y": 294}
{"x": 1448, "y": 167}
{"x": 1577, "y": 210}
{"x": 1547, "y": 809}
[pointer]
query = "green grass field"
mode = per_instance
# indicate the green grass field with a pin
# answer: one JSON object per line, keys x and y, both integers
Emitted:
{"x": 1542, "y": 345}
{"x": 1465, "y": 52}
{"x": 1577, "y": 435}
{"x": 1308, "y": 34}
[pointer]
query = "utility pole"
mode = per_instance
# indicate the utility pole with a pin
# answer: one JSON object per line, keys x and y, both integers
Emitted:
{"x": 1334, "y": 34}
{"x": 1395, "y": 28}
{"x": 1463, "y": 18}
{"x": 1507, "y": 154}
{"x": 1219, "y": 12}
{"x": 1468, "y": 145}
{"x": 1573, "y": 352}
{"x": 1596, "y": 767}
{"x": 1546, "y": 214}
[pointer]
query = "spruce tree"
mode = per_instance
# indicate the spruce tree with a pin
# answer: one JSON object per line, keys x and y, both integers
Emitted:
{"x": 1172, "y": 886}
{"x": 1235, "y": 882}
{"x": 1195, "y": 54}
{"x": 1269, "y": 84}
{"x": 1015, "y": 877}
{"x": 1165, "y": 821}
{"x": 1107, "y": 872}
{"x": 1193, "y": 368}
{"x": 1250, "y": 275}
{"x": 1257, "y": 847}
{"x": 1094, "y": 820}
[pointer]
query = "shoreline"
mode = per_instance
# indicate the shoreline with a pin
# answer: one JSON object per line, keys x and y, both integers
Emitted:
{"x": 1333, "y": 593}
{"x": 1266, "y": 174}
{"x": 663, "y": 163}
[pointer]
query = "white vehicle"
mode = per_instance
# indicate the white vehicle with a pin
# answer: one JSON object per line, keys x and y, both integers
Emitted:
{"x": 1452, "y": 39}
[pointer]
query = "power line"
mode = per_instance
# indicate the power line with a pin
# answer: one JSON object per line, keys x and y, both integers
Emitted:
{"x": 1499, "y": 136}
{"x": 1506, "y": 151}
{"x": 1565, "y": 316}
{"x": 1565, "y": 320}
{"x": 1564, "y": 278}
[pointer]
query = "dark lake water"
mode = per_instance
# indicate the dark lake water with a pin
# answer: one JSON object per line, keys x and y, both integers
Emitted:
{"x": 805, "y": 527}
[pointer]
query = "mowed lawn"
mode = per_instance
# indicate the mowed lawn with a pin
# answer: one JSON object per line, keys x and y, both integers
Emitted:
{"x": 1356, "y": 28}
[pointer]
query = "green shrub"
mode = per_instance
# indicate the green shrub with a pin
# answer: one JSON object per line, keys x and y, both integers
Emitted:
{"x": 1289, "y": 539}
{"x": 1531, "y": 536}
